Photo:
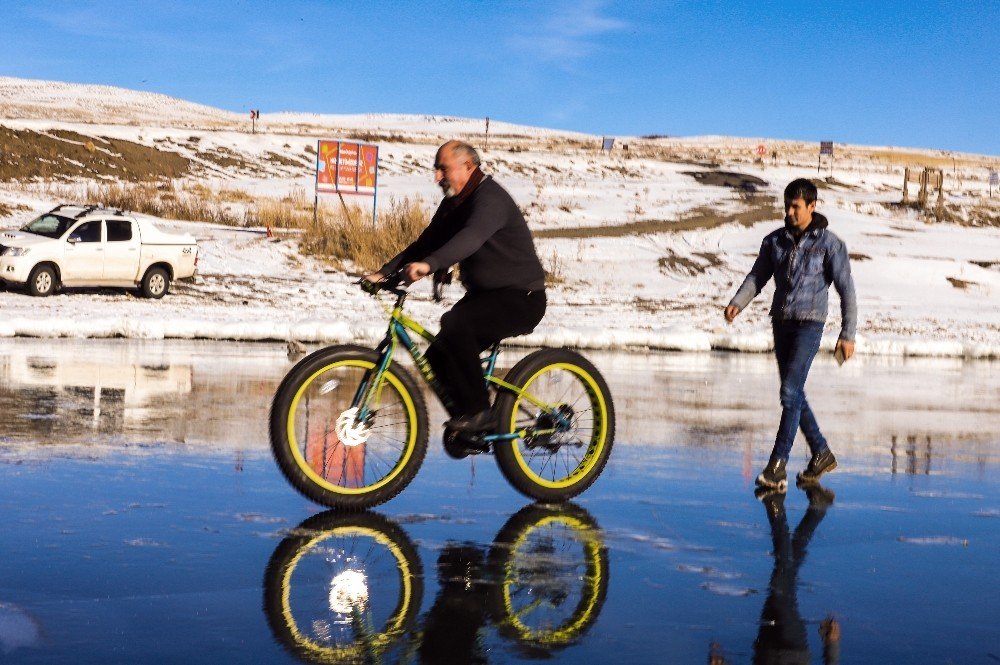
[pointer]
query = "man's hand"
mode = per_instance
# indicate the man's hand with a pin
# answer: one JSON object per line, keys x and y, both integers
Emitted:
{"x": 846, "y": 348}
{"x": 416, "y": 271}
{"x": 375, "y": 277}
{"x": 731, "y": 312}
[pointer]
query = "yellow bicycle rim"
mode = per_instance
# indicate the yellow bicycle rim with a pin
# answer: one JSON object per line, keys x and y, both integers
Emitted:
{"x": 411, "y": 413}
{"x": 598, "y": 438}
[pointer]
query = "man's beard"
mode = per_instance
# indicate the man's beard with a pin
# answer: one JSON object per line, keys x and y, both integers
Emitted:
{"x": 449, "y": 191}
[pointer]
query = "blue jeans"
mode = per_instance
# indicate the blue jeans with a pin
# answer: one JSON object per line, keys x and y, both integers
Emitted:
{"x": 795, "y": 346}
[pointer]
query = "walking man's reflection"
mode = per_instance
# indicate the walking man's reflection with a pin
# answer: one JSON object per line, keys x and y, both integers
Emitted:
{"x": 782, "y": 634}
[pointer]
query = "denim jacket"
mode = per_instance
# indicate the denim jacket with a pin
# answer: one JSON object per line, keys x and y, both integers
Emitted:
{"x": 803, "y": 269}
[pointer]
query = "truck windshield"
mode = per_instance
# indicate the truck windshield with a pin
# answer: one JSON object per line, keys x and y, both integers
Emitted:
{"x": 52, "y": 226}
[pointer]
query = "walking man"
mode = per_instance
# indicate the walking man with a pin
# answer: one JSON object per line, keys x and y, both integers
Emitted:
{"x": 804, "y": 258}
{"x": 478, "y": 226}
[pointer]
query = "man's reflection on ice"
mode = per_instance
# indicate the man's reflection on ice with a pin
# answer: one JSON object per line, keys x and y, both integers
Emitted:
{"x": 782, "y": 634}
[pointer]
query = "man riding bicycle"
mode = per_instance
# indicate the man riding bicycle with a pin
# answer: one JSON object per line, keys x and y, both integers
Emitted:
{"x": 479, "y": 227}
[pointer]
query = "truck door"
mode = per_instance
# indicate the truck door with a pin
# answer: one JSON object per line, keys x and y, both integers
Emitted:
{"x": 84, "y": 253}
{"x": 121, "y": 255}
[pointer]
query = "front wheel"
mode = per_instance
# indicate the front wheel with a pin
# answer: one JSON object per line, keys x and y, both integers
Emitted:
{"x": 335, "y": 454}
{"x": 42, "y": 281}
{"x": 344, "y": 588}
{"x": 565, "y": 421}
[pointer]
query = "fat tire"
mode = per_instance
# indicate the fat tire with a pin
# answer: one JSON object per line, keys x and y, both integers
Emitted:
{"x": 295, "y": 545}
{"x": 287, "y": 461}
{"x": 508, "y": 453}
{"x": 594, "y": 574}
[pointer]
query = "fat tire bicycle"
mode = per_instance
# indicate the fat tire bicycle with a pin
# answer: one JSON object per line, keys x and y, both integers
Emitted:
{"x": 349, "y": 427}
{"x": 348, "y": 587}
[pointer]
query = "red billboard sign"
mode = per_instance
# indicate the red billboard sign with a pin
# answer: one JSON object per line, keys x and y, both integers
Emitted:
{"x": 346, "y": 168}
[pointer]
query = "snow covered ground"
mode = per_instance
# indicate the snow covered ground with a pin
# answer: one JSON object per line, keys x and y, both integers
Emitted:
{"x": 635, "y": 267}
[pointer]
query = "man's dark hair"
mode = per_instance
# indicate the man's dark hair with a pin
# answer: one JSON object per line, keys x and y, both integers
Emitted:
{"x": 801, "y": 188}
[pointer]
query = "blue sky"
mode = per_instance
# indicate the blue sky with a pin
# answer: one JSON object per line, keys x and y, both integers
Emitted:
{"x": 922, "y": 74}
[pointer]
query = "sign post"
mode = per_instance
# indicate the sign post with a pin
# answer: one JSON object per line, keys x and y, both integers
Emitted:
{"x": 825, "y": 148}
{"x": 994, "y": 181}
{"x": 346, "y": 168}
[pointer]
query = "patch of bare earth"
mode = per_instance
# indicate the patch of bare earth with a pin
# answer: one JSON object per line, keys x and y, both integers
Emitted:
{"x": 675, "y": 263}
{"x": 60, "y": 154}
{"x": 960, "y": 283}
{"x": 699, "y": 218}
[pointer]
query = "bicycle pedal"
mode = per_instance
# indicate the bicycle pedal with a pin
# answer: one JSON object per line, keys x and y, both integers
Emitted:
{"x": 460, "y": 446}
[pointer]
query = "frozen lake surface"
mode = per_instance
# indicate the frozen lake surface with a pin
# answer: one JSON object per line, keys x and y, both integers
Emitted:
{"x": 145, "y": 521}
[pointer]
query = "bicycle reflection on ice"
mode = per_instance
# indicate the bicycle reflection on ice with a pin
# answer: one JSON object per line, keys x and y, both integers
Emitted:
{"x": 348, "y": 588}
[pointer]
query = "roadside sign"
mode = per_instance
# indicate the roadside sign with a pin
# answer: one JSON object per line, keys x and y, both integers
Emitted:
{"x": 608, "y": 143}
{"x": 346, "y": 168}
{"x": 994, "y": 178}
{"x": 826, "y": 148}
{"x": 761, "y": 149}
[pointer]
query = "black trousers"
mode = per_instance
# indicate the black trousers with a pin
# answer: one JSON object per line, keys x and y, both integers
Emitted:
{"x": 475, "y": 323}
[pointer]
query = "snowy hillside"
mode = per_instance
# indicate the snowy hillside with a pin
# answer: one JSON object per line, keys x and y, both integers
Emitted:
{"x": 647, "y": 243}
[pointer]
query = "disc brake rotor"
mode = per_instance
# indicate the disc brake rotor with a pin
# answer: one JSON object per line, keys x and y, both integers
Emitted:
{"x": 349, "y": 430}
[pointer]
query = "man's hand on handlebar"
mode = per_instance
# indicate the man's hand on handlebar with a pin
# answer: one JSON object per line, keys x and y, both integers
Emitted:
{"x": 410, "y": 273}
{"x": 414, "y": 272}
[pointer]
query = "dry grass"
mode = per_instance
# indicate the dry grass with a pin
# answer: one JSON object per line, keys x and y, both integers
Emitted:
{"x": 555, "y": 269}
{"x": 342, "y": 234}
{"x": 160, "y": 199}
{"x": 346, "y": 233}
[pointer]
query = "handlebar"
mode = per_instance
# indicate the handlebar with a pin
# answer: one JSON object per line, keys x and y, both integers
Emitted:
{"x": 390, "y": 283}
{"x": 395, "y": 283}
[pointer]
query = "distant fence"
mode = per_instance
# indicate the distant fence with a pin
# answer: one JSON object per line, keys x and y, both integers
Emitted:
{"x": 929, "y": 179}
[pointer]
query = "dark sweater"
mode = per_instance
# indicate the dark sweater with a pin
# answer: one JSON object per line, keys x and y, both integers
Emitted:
{"x": 486, "y": 235}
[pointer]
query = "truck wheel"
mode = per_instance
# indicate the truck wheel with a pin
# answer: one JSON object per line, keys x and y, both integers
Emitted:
{"x": 155, "y": 283}
{"x": 42, "y": 281}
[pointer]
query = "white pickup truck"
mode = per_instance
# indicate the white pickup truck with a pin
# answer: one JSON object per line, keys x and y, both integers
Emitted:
{"x": 95, "y": 246}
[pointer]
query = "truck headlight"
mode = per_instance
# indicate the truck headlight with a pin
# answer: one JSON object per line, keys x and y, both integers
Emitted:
{"x": 16, "y": 251}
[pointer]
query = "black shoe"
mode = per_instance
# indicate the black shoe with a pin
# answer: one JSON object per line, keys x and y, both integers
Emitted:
{"x": 819, "y": 464}
{"x": 773, "y": 500}
{"x": 484, "y": 421}
{"x": 459, "y": 445}
{"x": 774, "y": 475}
{"x": 819, "y": 496}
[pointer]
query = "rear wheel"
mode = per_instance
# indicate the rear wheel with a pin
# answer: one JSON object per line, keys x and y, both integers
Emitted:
{"x": 552, "y": 568}
{"x": 329, "y": 453}
{"x": 42, "y": 281}
{"x": 567, "y": 420}
{"x": 155, "y": 283}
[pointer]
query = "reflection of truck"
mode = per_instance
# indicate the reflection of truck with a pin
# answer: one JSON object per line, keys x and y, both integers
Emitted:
{"x": 93, "y": 246}
{"x": 133, "y": 391}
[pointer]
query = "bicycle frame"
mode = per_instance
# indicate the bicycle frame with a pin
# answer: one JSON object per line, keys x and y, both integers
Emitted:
{"x": 400, "y": 326}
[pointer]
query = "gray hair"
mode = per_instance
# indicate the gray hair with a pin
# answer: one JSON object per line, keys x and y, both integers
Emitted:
{"x": 463, "y": 149}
